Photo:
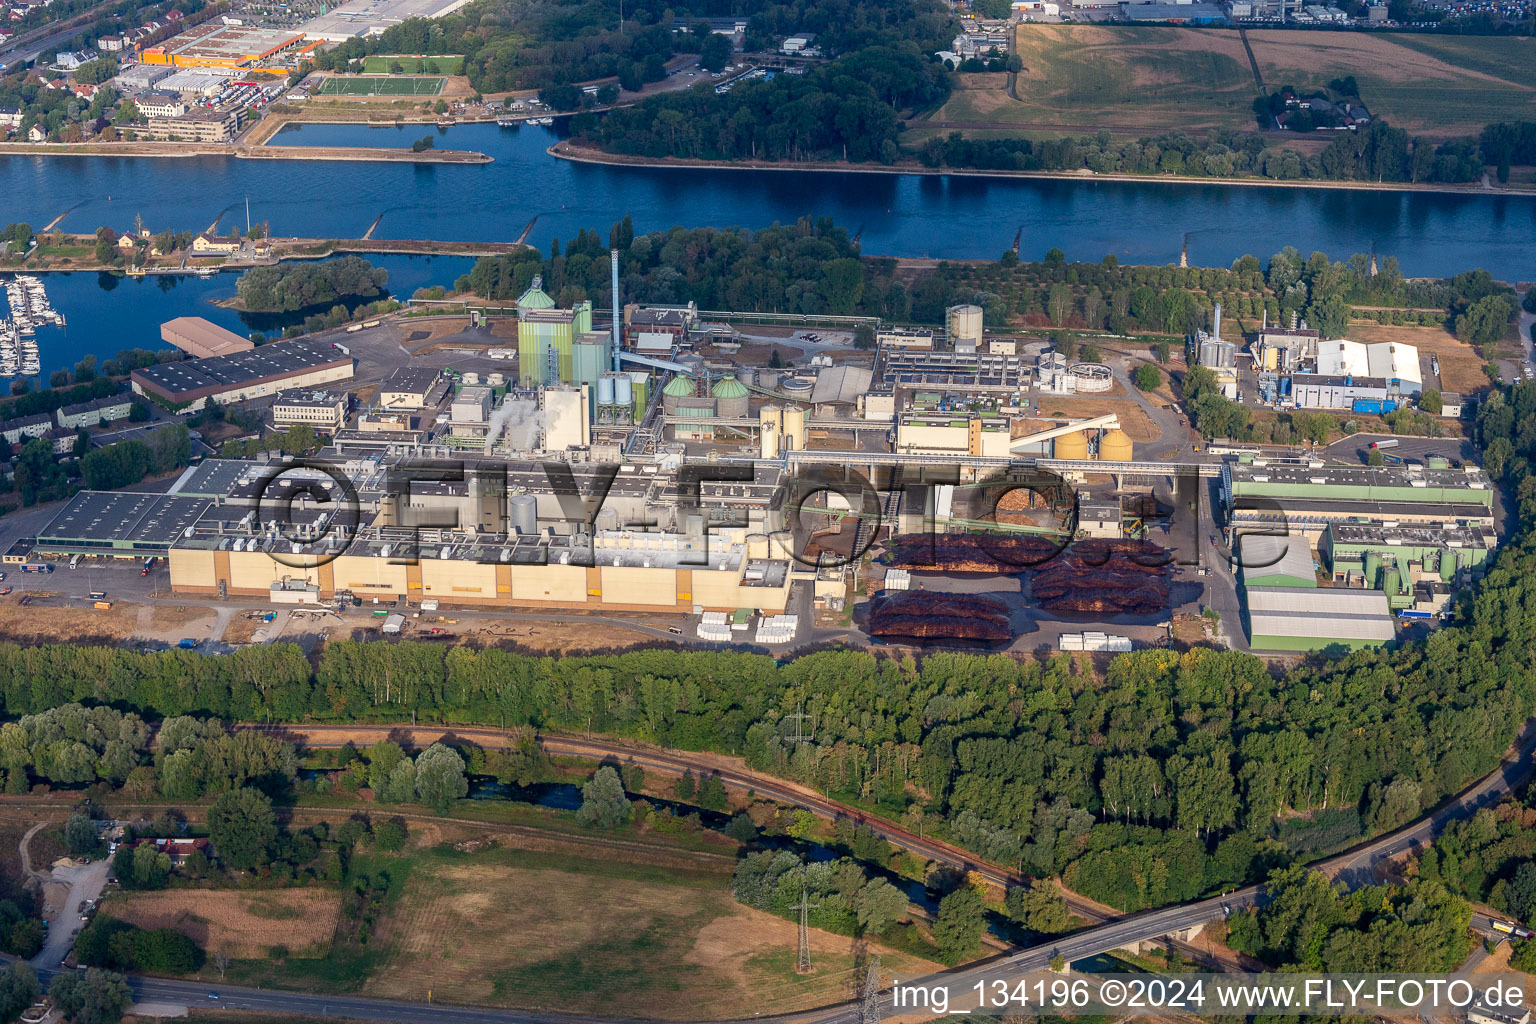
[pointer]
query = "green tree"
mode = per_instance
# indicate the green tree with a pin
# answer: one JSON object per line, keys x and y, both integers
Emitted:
{"x": 440, "y": 777}
{"x": 80, "y": 834}
{"x": 1147, "y": 377}
{"x": 957, "y": 930}
{"x": 389, "y": 835}
{"x": 714, "y": 52}
{"x": 1431, "y": 402}
{"x": 881, "y": 905}
{"x": 95, "y": 997}
{"x": 1040, "y": 908}
{"x": 242, "y": 826}
{"x": 18, "y": 989}
{"x": 603, "y": 803}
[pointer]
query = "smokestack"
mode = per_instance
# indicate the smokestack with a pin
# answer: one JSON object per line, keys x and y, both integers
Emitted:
{"x": 1216, "y": 323}
{"x": 613, "y": 274}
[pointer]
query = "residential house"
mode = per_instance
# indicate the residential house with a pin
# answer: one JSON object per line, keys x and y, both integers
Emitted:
{"x": 36, "y": 134}
{"x": 10, "y": 117}
{"x": 96, "y": 411}
{"x": 18, "y": 430}
{"x": 160, "y": 104}
{"x": 111, "y": 44}
{"x": 215, "y": 244}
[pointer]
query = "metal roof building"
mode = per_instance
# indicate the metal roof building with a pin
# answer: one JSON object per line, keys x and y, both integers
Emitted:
{"x": 1410, "y": 484}
{"x": 120, "y": 524}
{"x": 1268, "y": 560}
{"x": 1306, "y": 619}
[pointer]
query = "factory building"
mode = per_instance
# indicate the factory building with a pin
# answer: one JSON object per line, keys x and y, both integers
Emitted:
{"x": 1321, "y": 391}
{"x": 657, "y": 330}
{"x": 611, "y": 570}
{"x": 323, "y": 410}
{"x": 412, "y": 387}
{"x": 1285, "y": 350}
{"x": 1394, "y": 363}
{"x": 546, "y": 335}
{"x": 201, "y": 339}
{"x": 1408, "y": 484}
{"x": 1311, "y": 619}
{"x": 591, "y": 357}
{"x": 120, "y": 524}
{"x": 1268, "y": 560}
{"x": 1441, "y": 549}
{"x": 905, "y": 337}
{"x": 567, "y": 416}
{"x": 1099, "y": 518}
{"x": 189, "y": 386}
{"x": 979, "y": 434}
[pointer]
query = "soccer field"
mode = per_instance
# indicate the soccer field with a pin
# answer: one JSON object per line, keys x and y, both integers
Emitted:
{"x": 382, "y": 86}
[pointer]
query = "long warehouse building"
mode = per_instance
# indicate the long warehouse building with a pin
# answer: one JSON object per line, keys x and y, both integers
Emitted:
{"x": 239, "y": 376}
{"x": 612, "y": 570}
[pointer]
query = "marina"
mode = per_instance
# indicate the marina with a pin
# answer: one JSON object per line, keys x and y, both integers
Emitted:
{"x": 30, "y": 310}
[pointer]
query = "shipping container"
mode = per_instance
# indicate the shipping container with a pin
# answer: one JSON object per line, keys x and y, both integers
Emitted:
{"x": 103, "y": 605}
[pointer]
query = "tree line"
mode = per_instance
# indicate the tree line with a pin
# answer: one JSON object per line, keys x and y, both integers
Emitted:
{"x": 287, "y": 288}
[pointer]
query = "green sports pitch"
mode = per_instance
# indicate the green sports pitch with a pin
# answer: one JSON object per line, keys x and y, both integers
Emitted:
{"x": 370, "y": 86}
{"x": 385, "y": 63}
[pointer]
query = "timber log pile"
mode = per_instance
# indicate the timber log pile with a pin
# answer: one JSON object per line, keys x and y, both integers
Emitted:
{"x": 933, "y": 615}
{"x": 1103, "y": 577}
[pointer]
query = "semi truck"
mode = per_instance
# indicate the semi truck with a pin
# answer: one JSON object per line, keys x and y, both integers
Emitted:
{"x": 1378, "y": 446}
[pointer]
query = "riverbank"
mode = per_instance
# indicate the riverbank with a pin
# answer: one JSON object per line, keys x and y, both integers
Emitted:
{"x": 185, "y": 150}
{"x": 566, "y": 150}
{"x": 284, "y": 250}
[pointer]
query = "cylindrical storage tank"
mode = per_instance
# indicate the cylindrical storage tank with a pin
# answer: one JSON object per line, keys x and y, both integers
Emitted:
{"x": 1431, "y": 561}
{"x": 678, "y": 387}
{"x": 797, "y": 386}
{"x": 605, "y": 389}
{"x": 768, "y": 378}
{"x": 768, "y": 439}
{"x": 1450, "y": 564}
{"x": 623, "y": 391}
{"x": 1372, "y": 569}
{"x": 1071, "y": 446}
{"x": 1115, "y": 446}
{"x": 964, "y": 322}
{"x": 1389, "y": 581}
{"x": 730, "y": 398}
{"x": 496, "y": 379}
{"x": 523, "y": 515}
{"x": 471, "y": 378}
{"x": 747, "y": 377}
{"x": 794, "y": 428}
{"x": 607, "y": 519}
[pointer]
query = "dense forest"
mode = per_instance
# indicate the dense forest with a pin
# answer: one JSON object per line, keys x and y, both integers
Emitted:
{"x": 813, "y": 266}
{"x": 286, "y": 288}
{"x": 1378, "y": 153}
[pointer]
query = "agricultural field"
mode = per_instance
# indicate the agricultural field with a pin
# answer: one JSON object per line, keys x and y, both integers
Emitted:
{"x": 1128, "y": 77}
{"x": 1442, "y": 86}
{"x": 384, "y": 64}
{"x": 242, "y": 924}
{"x": 1145, "y": 79}
{"x": 381, "y": 86}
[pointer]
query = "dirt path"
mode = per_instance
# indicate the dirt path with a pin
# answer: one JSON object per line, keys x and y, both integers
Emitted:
{"x": 26, "y": 853}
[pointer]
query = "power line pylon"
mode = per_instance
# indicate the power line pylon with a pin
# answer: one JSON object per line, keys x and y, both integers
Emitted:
{"x": 869, "y": 1006}
{"x": 803, "y": 960}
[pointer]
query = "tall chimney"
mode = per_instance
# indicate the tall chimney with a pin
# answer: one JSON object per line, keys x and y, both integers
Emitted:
{"x": 613, "y": 275}
{"x": 1216, "y": 323}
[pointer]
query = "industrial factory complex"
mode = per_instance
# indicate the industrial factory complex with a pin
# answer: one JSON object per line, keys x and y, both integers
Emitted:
{"x": 633, "y": 461}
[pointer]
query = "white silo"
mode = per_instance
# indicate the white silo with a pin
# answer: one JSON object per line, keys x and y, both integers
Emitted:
{"x": 605, "y": 389}
{"x": 523, "y": 515}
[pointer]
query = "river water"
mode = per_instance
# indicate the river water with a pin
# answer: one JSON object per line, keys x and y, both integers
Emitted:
{"x": 911, "y": 215}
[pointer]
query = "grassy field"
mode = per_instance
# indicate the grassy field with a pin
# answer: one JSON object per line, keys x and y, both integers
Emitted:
{"x": 1146, "y": 78}
{"x": 382, "y": 86}
{"x": 519, "y": 928}
{"x": 380, "y": 64}
{"x": 1443, "y": 86}
{"x": 294, "y": 922}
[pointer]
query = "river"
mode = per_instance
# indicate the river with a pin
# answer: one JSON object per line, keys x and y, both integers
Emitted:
{"x": 1431, "y": 234}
